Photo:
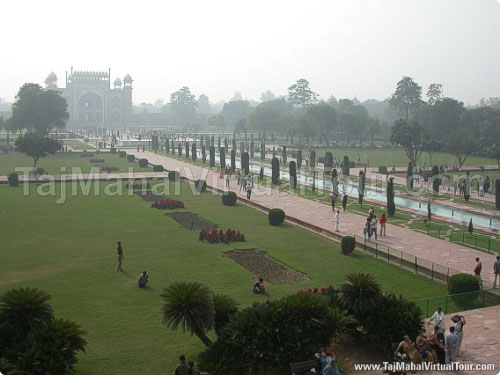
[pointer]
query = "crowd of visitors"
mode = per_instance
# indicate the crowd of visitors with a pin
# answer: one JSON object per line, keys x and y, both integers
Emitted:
{"x": 371, "y": 224}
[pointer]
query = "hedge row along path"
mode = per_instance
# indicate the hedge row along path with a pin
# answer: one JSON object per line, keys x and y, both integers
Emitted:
{"x": 444, "y": 253}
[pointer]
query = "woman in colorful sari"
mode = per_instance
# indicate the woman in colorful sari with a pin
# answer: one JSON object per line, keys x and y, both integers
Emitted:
{"x": 328, "y": 363}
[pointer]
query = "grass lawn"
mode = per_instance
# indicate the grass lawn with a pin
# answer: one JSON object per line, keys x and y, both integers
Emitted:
{"x": 69, "y": 251}
{"x": 76, "y": 145}
{"x": 395, "y": 156}
{"x": 53, "y": 163}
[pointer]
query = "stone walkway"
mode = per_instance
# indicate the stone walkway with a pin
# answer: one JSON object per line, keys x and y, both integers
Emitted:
{"x": 441, "y": 252}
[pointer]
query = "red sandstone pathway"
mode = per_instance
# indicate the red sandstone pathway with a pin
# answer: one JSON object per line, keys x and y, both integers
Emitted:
{"x": 441, "y": 252}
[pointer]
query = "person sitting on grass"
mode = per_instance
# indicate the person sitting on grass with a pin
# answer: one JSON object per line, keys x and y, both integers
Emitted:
{"x": 143, "y": 279}
{"x": 259, "y": 287}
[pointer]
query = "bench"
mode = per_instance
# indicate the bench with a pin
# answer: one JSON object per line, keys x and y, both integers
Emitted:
{"x": 304, "y": 368}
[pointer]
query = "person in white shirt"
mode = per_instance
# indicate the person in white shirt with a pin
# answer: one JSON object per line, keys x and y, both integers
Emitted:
{"x": 337, "y": 220}
{"x": 438, "y": 319}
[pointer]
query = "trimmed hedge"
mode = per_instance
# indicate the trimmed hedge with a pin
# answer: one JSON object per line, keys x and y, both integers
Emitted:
{"x": 497, "y": 194}
{"x": 13, "y": 179}
{"x": 143, "y": 163}
{"x": 174, "y": 176}
{"x": 201, "y": 186}
{"x": 229, "y": 198}
{"x": 275, "y": 176}
{"x": 131, "y": 158}
{"x": 347, "y": 245}
{"x": 122, "y": 154}
{"x": 158, "y": 168}
{"x": 276, "y": 216}
{"x": 463, "y": 283}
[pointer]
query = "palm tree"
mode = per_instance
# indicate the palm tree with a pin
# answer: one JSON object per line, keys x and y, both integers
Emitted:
{"x": 189, "y": 305}
{"x": 360, "y": 294}
{"x": 224, "y": 307}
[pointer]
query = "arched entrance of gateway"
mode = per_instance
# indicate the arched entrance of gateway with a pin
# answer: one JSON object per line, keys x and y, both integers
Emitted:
{"x": 90, "y": 108}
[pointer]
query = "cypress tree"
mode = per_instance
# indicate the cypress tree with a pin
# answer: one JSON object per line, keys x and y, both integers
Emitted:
{"x": 203, "y": 154}
{"x": 470, "y": 228}
{"x": 312, "y": 162}
{"x": 293, "y": 175}
{"x": 212, "y": 141}
{"x": 167, "y": 145}
{"x": 233, "y": 160}
{"x": 173, "y": 147}
{"x": 262, "y": 151}
{"x": 328, "y": 162}
{"x": 251, "y": 147}
{"x": 242, "y": 148}
{"x": 283, "y": 154}
{"x": 225, "y": 144}
{"x": 391, "y": 207}
{"x": 467, "y": 187}
{"x": 275, "y": 164}
{"x": 187, "y": 150}
{"x": 179, "y": 149}
{"x": 299, "y": 159}
{"x": 361, "y": 187}
{"x": 194, "y": 155}
{"x": 261, "y": 173}
{"x": 409, "y": 177}
{"x": 436, "y": 181}
{"x": 222, "y": 157}
{"x": 346, "y": 168}
{"x": 234, "y": 143}
{"x": 429, "y": 213}
{"x": 335, "y": 181}
{"x": 212, "y": 156}
{"x": 245, "y": 163}
{"x": 497, "y": 194}
{"x": 274, "y": 152}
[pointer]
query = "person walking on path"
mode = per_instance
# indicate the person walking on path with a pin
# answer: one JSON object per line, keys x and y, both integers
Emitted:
{"x": 451, "y": 346}
{"x": 337, "y": 220}
{"x": 333, "y": 198}
{"x": 182, "y": 368}
{"x": 344, "y": 201}
{"x": 496, "y": 271}
{"x": 227, "y": 180}
{"x": 367, "y": 229}
{"x": 383, "y": 222}
{"x": 478, "y": 268}
{"x": 373, "y": 225}
{"x": 249, "y": 190}
{"x": 119, "y": 251}
{"x": 438, "y": 321}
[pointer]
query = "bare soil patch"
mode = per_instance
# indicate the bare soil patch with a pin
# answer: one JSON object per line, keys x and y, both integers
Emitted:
{"x": 190, "y": 221}
{"x": 148, "y": 196}
{"x": 262, "y": 266}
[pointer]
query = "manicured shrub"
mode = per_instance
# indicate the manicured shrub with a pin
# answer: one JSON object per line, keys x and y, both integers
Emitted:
{"x": 497, "y": 194}
{"x": 283, "y": 154}
{"x": 143, "y": 163}
{"x": 112, "y": 150}
{"x": 347, "y": 245}
{"x": 261, "y": 173}
{"x": 108, "y": 169}
{"x": 203, "y": 154}
{"x": 360, "y": 294}
{"x": 409, "y": 177}
{"x": 229, "y": 198}
{"x": 222, "y": 157}
{"x": 262, "y": 151}
{"x": 328, "y": 162}
{"x": 299, "y": 159}
{"x": 158, "y": 168}
{"x": 252, "y": 146}
{"x": 130, "y": 158}
{"x": 167, "y": 145}
{"x": 346, "y": 166}
{"x": 212, "y": 155}
{"x": 436, "y": 181}
{"x": 275, "y": 167}
{"x": 233, "y": 160}
{"x": 391, "y": 206}
{"x": 179, "y": 149}
{"x": 245, "y": 163}
{"x": 13, "y": 179}
{"x": 122, "y": 154}
{"x": 470, "y": 228}
{"x": 187, "y": 150}
{"x": 276, "y": 216}
{"x": 293, "y": 175}
{"x": 393, "y": 318}
{"x": 174, "y": 176}
{"x": 361, "y": 187}
{"x": 382, "y": 169}
{"x": 201, "y": 186}
{"x": 194, "y": 152}
{"x": 463, "y": 283}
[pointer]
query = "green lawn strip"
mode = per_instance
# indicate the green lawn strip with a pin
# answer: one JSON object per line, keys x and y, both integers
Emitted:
{"x": 70, "y": 253}
{"x": 52, "y": 163}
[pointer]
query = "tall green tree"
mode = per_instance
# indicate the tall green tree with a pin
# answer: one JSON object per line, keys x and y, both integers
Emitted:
{"x": 235, "y": 111}
{"x": 434, "y": 93}
{"x": 430, "y": 147}
{"x": 38, "y": 110}
{"x": 36, "y": 146}
{"x": 461, "y": 145}
{"x": 391, "y": 206}
{"x": 324, "y": 118}
{"x": 275, "y": 169}
{"x": 190, "y": 306}
{"x": 410, "y": 135}
{"x": 300, "y": 93}
{"x": 183, "y": 104}
{"x": 407, "y": 97}
{"x": 293, "y": 175}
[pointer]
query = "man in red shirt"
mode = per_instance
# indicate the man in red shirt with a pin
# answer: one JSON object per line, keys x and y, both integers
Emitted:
{"x": 383, "y": 220}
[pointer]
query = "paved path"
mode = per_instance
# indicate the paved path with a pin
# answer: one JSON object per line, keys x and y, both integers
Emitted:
{"x": 442, "y": 252}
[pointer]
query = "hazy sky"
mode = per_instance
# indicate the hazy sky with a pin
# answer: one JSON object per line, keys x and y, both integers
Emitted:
{"x": 344, "y": 48}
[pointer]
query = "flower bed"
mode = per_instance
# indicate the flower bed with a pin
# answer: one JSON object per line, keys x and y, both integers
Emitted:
{"x": 167, "y": 204}
{"x": 215, "y": 236}
{"x": 105, "y": 168}
{"x": 96, "y": 161}
{"x": 322, "y": 291}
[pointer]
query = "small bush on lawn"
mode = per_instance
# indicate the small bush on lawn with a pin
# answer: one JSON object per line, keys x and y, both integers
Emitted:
{"x": 347, "y": 245}
{"x": 464, "y": 283}
{"x": 229, "y": 198}
{"x": 122, "y": 154}
{"x": 174, "y": 176}
{"x": 96, "y": 161}
{"x": 143, "y": 163}
{"x": 201, "y": 186}
{"x": 158, "y": 168}
{"x": 223, "y": 237}
{"x": 131, "y": 158}
{"x": 13, "y": 179}
{"x": 169, "y": 204}
{"x": 276, "y": 216}
{"x": 105, "y": 168}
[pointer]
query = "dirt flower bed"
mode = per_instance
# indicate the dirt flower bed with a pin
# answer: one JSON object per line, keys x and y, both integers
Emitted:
{"x": 191, "y": 221}
{"x": 262, "y": 266}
